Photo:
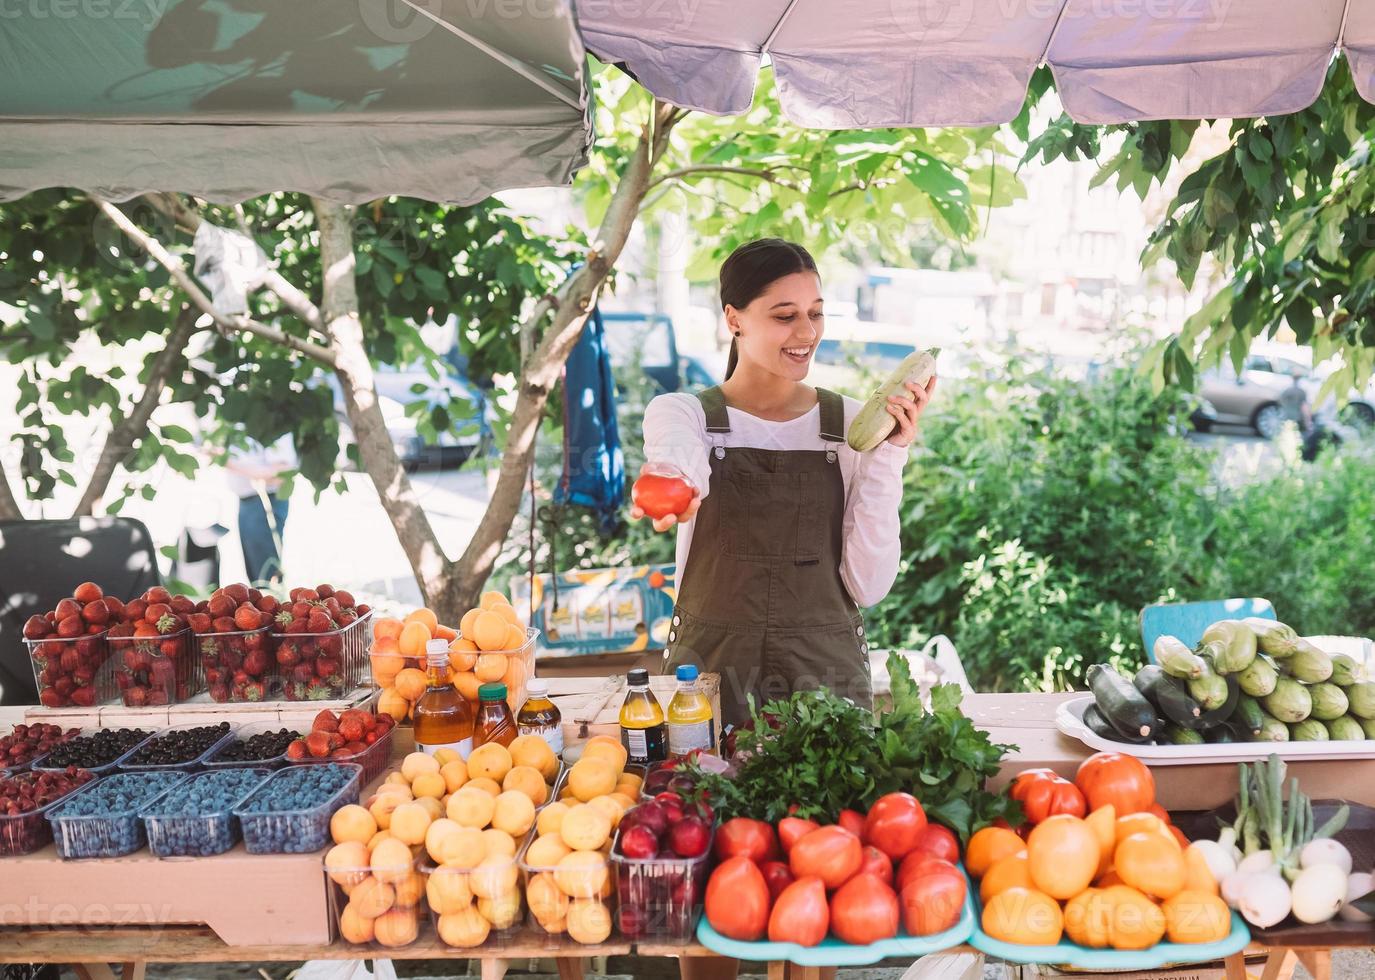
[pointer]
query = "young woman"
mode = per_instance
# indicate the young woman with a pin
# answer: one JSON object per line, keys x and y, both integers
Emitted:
{"x": 790, "y": 529}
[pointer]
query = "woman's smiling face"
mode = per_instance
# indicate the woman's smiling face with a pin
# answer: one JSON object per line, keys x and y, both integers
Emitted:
{"x": 779, "y": 330}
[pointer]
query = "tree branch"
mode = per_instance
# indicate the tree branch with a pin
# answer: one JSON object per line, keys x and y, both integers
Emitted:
{"x": 177, "y": 269}
{"x": 354, "y": 370}
{"x": 120, "y": 440}
{"x": 765, "y": 174}
{"x": 9, "y": 506}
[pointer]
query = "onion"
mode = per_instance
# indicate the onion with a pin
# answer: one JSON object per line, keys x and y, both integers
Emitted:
{"x": 1357, "y": 886}
{"x": 1264, "y": 900}
{"x": 1325, "y": 850}
{"x": 1259, "y": 861}
{"x": 1233, "y": 886}
{"x": 1217, "y": 856}
{"x": 1318, "y": 893}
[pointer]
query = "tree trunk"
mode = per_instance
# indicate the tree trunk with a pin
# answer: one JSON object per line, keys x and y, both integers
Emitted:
{"x": 9, "y": 507}
{"x": 339, "y": 313}
{"x": 120, "y": 441}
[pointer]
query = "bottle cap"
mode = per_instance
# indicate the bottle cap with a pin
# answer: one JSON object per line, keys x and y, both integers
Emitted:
{"x": 536, "y": 687}
{"x": 492, "y": 692}
{"x": 686, "y": 672}
{"x": 437, "y": 646}
{"x": 639, "y": 677}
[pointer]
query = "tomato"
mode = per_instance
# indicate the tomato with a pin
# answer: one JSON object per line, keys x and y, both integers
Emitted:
{"x": 894, "y": 824}
{"x": 853, "y": 821}
{"x": 659, "y": 495}
{"x": 1116, "y": 778}
{"x": 800, "y": 915}
{"x": 864, "y": 910}
{"x": 777, "y": 876}
{"x": 792, "y": 829}
{"x": 917, "y": 864}
{"x": 753, "y": 839}
{"x": 737, "y": 902}
{"x": 876, "y": 863}
{"x": 832, "y": 854}
{"x": 1160, "y": 812}
{"x": 940, "y": 841}
{"x": 933, "y": 899}
{"x": 1044, "y": 794}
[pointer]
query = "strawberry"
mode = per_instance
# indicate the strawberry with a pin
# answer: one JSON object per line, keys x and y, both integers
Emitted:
{"x": 219, "y": 693}
{"x": 317, "y": 744}
{"x": 70, "y": 659}
{"x": 303, "y": 673}
{"x": 319, "y": 621}
{"x": 238, "y": 592}
{"x": 225, "y": 624}
{"x": 170, "y": 648}
{"x": 282, "y": 619}
{"x": 116, "y": 607}
{"x": 345, "y": 598}
{"x": 341, "y": 753}
{"x": 200, "y": 622}
{"x": 84, "y": 697}
{"x": 333, "y": 608}
{"x": 87, "y": 592}
{"x": 134, "y": 610}
{"x": 324, "y": 591}
{"x": 221, "y": 605}
{"x": 319, "y": 692}
{"x": 350, "y": 728}
{"x": 325, "y": 721}
{"x": 96, "y": 612}
{"x": 297, "y": 750}
{"x": 156, "y": 610}
{"x": 157, "y": 697}
{"x": 255, "y": 664}
{"x": 70, "y": 626}
{"x": 182, "y": 606}
{"x": 158, "y": 594}
{"x": 247, "y": 618}
{"x": 287, "y": 656}
{"x": 362, "y": 610}
{"x": 267, "y": 605}
{"x": 49, "y": 698}
{"x": 300, "y": 610}
{"x": 254, "y": 691}
{"x": 304, "y": 595}
{"x": 370, "y": 737}
{"x": 347, "y": 617}
{"x": 65, "y": 686}
{"x": 36, "y": 627}
{"x": 253, "y": 596}
{"x": 336, "y": 741}
{"x": 296, "y": 626}
{"x": 331, "y": 644}
{"x": 326, "y": 667}
{"x": 354, "y": 748}
{"x": 166, "y": 623}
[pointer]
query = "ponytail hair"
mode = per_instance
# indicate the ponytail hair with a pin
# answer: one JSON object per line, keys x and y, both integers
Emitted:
{"x": 751, "y": 269}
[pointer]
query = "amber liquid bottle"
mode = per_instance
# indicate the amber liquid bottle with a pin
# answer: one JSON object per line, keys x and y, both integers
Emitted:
{"x": 540, "y": 716}
{"x": 495, "y": 723}
{"x": 442, "y": 717}
{"x": 643, "y": 730}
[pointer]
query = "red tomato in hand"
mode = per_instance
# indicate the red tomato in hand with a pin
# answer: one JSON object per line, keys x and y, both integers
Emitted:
{"x": 940, "y": 841}
{"x": 737, "y": 902}
{"x": 853, "y": 821}
{"x": 864, "y": 910}
{"x": 777, "y": 876}
{"x": 753, "y": 839}
{"x": 876, "y": 863}
{"x": 659, "y": 495}
{"x": 933, "y": 899}
{"x": 1044, "y": 794}
{"x": 894, "y": 824}
{"x": 1116, "y": 778}
{"x": 793, "y": 829}
{"x": 800, "y": 915}
{"x": 832, "y": 854}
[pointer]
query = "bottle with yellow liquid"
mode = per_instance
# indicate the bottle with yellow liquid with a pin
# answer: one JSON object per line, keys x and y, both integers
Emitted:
{"x": 643, "y": 727}
{"x": 442, "y": 717}
{"x": 691, "y": 725}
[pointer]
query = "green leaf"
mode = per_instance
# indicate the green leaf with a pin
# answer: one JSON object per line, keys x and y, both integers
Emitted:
{"x": 174, "y": 433}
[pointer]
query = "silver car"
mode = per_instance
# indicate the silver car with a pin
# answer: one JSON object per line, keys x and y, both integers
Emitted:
{"x": 1252, "y": 398}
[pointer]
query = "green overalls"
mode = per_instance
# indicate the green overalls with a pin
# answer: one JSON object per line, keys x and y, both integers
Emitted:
{"x": 761, "y": 601}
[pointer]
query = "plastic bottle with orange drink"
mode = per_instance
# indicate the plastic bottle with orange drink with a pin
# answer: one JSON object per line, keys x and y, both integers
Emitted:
{"x": 442, "y": 717}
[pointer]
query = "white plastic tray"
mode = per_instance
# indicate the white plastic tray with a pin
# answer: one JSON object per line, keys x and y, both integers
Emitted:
{"x": 1069, "y": 718}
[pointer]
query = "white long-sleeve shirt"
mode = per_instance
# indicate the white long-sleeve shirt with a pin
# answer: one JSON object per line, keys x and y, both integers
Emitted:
{"x": 675, "y": 431}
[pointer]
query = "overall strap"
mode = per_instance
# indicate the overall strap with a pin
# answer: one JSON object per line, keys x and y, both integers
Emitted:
{"x": 832, "y": 415}
{"x": 714, "y": 405}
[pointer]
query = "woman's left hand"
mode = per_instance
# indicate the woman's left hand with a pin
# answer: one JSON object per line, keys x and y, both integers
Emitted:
{"x": 908, "y": 410}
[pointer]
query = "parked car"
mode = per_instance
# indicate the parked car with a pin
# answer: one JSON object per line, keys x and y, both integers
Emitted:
{"x": 650, "y": 341}
{"x": 1252, "y": 398}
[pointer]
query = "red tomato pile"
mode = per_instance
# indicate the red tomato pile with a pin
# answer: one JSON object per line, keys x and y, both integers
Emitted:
{"x": 859, "y": 879}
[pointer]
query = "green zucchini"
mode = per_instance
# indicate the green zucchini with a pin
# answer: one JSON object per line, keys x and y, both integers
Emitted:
{"x": 1179, "y": 735}
{"x": 1097, "y": 724}
{"x": 1176, "y": 659}
{"x": 1248, "y": 719}
{"x": 1221, "y": 733}
{"x": 873, "y": 423}
{"x": 1125, "y": 708}
{"x": 1213, "y": 717}
{"x": 1169, "y": 694}
{"x": 1232, "y": 645}
{"x": 1210, "y": 690}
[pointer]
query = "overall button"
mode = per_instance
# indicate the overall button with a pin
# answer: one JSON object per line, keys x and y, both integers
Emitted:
{"x": 859, "y": 631}
{"x": 677, "y": 620}
{"x": 672, "y": 636}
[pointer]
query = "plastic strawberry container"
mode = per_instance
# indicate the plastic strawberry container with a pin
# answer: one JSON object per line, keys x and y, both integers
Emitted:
{"x": 376, "y": 909}
{"x": 289, "y": 811}
{"x": 102, "y": 818}
{"x": 153, "y": 671}
{"x": 73, "y": 671}
{"x": 135, "y": 762}
{"x": 490, "y": 919}
{"x": 659, "y": 899}
{"x": 14, "y": 768}
{"x": 29, "y": 830}
{"x": 241, "y": 666}
{"x": 324, "y": 666}
{"x": 196, "y": 818}
{"x": 553, "y": 893}
{"x": 373, "y": 759}
{"x": 216, "y": 760}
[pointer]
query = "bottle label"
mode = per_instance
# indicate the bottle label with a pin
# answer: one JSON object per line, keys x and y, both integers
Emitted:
{"x": 684, "y": 738}
{"x": 463, "y": 748}
{"x": 645, "y": 745}
{"x": 552, "y": 735}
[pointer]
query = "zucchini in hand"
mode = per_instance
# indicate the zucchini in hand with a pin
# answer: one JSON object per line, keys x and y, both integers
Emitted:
{"x": 1124, "y": 707}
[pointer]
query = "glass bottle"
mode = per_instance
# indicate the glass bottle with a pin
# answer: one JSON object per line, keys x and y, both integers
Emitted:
{"x": 642, "y": 721}
{"x": 691, "y": 725}
{"x": 442, "y": 717}
{"x": 494, "y": 720}
{"x": 540, "y": 716}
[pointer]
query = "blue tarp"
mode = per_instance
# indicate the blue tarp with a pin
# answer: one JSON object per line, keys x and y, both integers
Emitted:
{"x": 593, "y": 466}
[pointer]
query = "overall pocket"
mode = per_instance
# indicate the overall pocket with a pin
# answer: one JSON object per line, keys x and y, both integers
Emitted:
{"x": 770, "y": 517}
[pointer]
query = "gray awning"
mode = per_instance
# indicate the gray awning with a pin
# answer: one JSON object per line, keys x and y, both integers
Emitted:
{"x": 448, "y": 100}
{"x": 875, "y": 63}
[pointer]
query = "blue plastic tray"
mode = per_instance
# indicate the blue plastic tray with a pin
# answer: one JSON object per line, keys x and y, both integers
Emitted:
{"x": 1066, "y": 953}
{"x": 832, "y": 952}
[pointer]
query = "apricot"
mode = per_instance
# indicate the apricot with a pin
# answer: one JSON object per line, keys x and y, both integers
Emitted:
{"x": 499, "y": 842}
{"x": 472, "y": 808}
{"x": 354, "y": 926}
{"x": 370, "y": 897}
{"x": 489, "y": 632}
{"x": 534, "y": 752}
{"x": 492, "y": 760}
{"x": 432, "y": 806}
{"x": 590, "y": 778}
{"x": 347, "y": 864}
{"x": 410, "y": 890}
{"x": 383, "y": 806}
{"x": 589, "y": 921}
{"x": 409, "y": 822}
{"x": 503, "y": 911}
{"x": 466, "y": 684}
{"x": 425, "y": 617}
{"x": 455, "y": 774}
{"x": 581, "y": 874}
{"x": 429, "y": 784}
{"x": 585, "y": 827}
{"x": 515, "y": 637}
{"x": 489, "y": 786}
{"x": 514, "y": 813}
{"x": 352, "y": 823}
{"x": 550, "y": 819}
{"x": 464, "y": 929}
{"x": 526, "y": 780}
{"x": 447, "y": 890}
{"x": 608, "y": 806}
{"x": 391, "y": 861}
{"x": 607, "y": 749}
{"x": 410, "y": 683}
{"x": 390, "y": 702}
{"x": 490, "y": 667}
{"x": 451, "y": 843}
{"x": 547, "y": 851}
{"x": 546, "y": 900}
{"x": 413, "y": 638}
{"x": 396, "y": 927}
{"x": 494, "y": 877}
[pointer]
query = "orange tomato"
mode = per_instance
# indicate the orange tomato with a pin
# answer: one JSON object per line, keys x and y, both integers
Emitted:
{"x": 1140, "y": 823}
{"x": 1024, "y": 916}
{"x": 1198, "y": 877}
{"x": 1088, "y": 919}
{"x": 1103, "y": 823}
{"x": 1117, "y": 778}
{"x": 1063, "y": 856}
{"x": 1152, "y": 863}
{"x": 1197, "y": 917}
{"x": 1137, "y": 922}
{"x": 1012, "y": 871}
{"x": 1179, "y": 836}
{"x": 989, "y": 846}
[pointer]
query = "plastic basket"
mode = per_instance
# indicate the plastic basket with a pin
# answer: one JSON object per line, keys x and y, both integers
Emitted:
{"x": 113, "y": 830}
{"x": 223, "y": 657}
{"x": 179, "y": 825}
{"x": 54, "y": 761}
{"x": 157, "y": 670}
{"x": 72, "y": 672}
{"x": 11, "y": 768}
{"x": 660, "y": 899}
{"x": 215, "y": 759}
{"x": 373, "y": 759}
{"x": 26, "y": 832}
{"x": 268, "y": 829}
{"x": 136, "y": 762}
{"x": 323, "y": 666}
{"x": 554, "y": 894}
{"x": 389, "y": 910}
{"x": 473, "y": 908}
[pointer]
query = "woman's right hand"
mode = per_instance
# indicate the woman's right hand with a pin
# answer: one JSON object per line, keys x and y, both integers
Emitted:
{"x": 665, "y": 523}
